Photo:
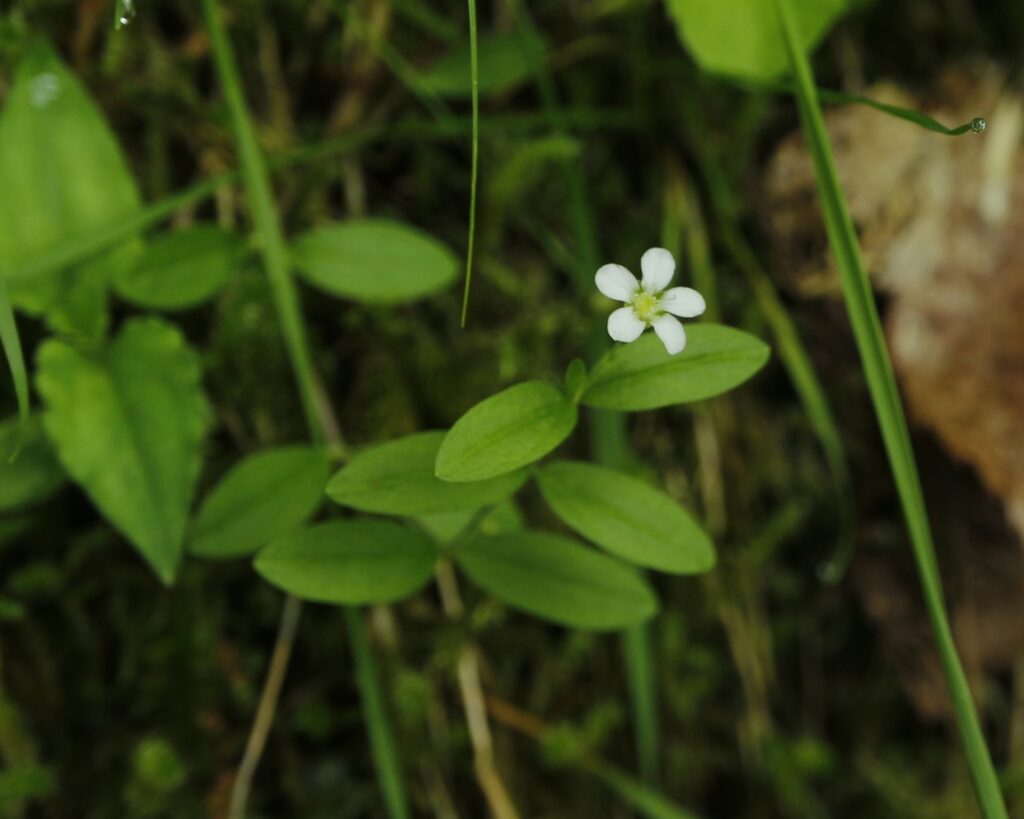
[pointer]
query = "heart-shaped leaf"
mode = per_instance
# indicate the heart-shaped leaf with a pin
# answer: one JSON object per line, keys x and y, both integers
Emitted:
{"x": 128, "y": 424}
{"x": 397, "y": 478}
{"x": 375, "y": 261}
{"x": 513, "y": 428}
{"x": 349, "y": 562}
{"x": 558, "y": 579}
{"x": 264, "y": 496}
{"x": 642, "y": 376}
{"x": 626, "y": 516}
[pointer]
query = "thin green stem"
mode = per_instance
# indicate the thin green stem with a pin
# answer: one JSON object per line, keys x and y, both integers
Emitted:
{"x": 12, "y": 350}
{"x": 474, "y": 72}
{"x": 889, "y": 411}
{"x": 319, "y": 415}
{"x": 609, "y": 438}
{"x": 382, "y": 743}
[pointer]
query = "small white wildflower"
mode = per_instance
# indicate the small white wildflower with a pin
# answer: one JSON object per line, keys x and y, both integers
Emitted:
{"x": 649, "y": 304}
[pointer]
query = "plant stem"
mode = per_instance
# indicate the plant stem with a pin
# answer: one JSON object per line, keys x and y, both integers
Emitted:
{"x": 867, "y": 331}
{"x": 474, "y": 704}
{"x": 382, "y": 743}
{"x": 267, "y": 707}
{"x": 319, "y": 414}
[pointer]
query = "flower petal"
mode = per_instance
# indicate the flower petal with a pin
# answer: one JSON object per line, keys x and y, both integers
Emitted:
{"x": 623, "y": 325}
{"x": 658, "y": 266}
{"x": 616, "y": 282}
{"x": 670, "y": 331}
{"x": 683, "y": 301}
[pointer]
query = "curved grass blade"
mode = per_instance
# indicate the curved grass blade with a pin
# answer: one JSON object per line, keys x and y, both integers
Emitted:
{"x": 889, "y": 411}
{"x": 474, "y": 70}
{"x": 976, "y": 125}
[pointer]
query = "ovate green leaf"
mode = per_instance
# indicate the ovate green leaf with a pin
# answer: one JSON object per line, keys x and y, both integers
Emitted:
{"x": 128, "y": 423}
{"x": 513, "y": 428}
{"x": 559, "y": 580}
{"x": 376, "y": 261}
{"x": 742, "y": 37}
{"x": 349, "y": 562}
{"x": 642, "y": 376}
{"x": 181, "y": 269}
{"x": 626, "y": 516}
{"x": 264, "y": 496}
{"x": 505, "y": 60}
{"x": 397, "y": 478}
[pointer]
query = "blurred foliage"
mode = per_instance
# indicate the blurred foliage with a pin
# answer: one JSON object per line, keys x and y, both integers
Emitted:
{"x": 120, "y": 698}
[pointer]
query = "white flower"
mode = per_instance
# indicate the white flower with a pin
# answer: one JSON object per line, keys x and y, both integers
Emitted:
{"x": 649, "y": 304}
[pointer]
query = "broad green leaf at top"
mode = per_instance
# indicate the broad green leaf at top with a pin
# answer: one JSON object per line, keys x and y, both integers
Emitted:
{"x": 62, "y": 174}
{"x": 557, "y": 579}
{"x": 742, "y": 37}
{"x": 505, "y": 61}
{"x": 642, "y": 376}
{"x": 397, "y": 478}
{"x": 260, "y": 498}
{"x": 375, "y": 261}
{"x": 128, "y": 423}
{"x": 349, "y": 562}
{"x": 626, "y": 516}
{"x": 509, "y": 430}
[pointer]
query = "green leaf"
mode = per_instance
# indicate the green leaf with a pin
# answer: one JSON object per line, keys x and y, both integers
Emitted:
{"x": 447, "y": 526}
{"x": 626, "y": 516}
{"x": 642, "y": 376}
{"x": 376, "y": 261}
{"x": 62, "y": 174}
{"x": 742, "y": 37}
{"x": 181, "y": 269}
{"x": 557, "y": 579}
{"x": 32, "y": 474}
{"x": 349, "y": 562}
{"x": 513, "y": 428}
{"x": 264, "y": 496}
{"x": 397, "y": 478}
{"x": 576, "y": 378}
{"x": 505, "y": 61}
{"x": 128, "y": 424}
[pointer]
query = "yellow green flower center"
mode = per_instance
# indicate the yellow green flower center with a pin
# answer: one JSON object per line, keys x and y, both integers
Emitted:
{"x": 646, "y": 306}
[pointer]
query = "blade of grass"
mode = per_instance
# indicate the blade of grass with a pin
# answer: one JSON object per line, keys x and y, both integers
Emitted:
{"x": 474, "y": 72}
{"x": 609, "y": 439}
{"x": 319, "y": 416}
{"x": 976, "y": 125}
{"x": 633, "y": 792}
{"x": 889, "y": 411}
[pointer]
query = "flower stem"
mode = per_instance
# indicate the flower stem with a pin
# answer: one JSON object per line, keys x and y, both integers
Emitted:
{"x": 867, "y": 331}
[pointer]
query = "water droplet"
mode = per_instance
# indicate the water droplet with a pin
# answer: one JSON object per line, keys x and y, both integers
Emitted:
{"x": 127, "y": 13}
{"x": 44, "y": 90}
{"x": 978, "y": 125}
